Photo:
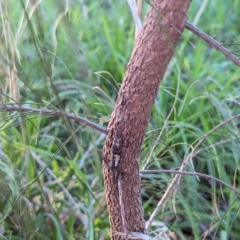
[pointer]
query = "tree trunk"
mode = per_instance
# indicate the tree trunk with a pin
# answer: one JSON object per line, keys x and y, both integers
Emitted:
{"x": 155, "y": 46}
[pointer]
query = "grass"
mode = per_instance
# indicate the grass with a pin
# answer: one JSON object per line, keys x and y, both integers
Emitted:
{"x": 74, "y": 61}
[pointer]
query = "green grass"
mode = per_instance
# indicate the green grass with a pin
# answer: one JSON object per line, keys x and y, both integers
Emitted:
{"x": 75, "y": 62}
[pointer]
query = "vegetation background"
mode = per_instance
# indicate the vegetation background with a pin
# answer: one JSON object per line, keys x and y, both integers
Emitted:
{"x": 71, "y": 56}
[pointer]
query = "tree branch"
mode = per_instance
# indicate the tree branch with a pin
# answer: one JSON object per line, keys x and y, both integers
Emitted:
{"x": 18, "y": 108}
{"x": 218, "y": 46}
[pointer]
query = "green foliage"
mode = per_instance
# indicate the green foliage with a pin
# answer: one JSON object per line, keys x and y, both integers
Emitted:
{"x": 71, "y": 56}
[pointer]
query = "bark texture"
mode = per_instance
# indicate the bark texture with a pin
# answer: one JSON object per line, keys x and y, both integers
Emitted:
{"x": 156, "y": 43}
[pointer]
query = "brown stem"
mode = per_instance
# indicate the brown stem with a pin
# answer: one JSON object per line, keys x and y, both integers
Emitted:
{"x": 154, "y": 48}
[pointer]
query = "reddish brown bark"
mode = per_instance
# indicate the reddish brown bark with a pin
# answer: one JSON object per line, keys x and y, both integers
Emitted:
{"x": 154, "y": 49}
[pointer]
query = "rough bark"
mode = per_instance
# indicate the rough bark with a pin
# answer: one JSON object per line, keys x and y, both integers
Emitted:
{"x": 163, "y": 27}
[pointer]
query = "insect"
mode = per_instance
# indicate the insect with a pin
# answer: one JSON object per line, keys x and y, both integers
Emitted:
{"x": 116, "y": 149}
{"x": 116, "y": 155}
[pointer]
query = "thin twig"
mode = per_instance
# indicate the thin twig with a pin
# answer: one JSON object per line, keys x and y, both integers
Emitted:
{"x": 216, "y": 144}
{"x": 165, "y": 123}
{"x": 89, "y": 150}
{"x": 71, "y": 200}
{"x": 19, "y": 108}
{"x": 122, "y": 206}
{"x": 218, "y": 46}
{"x": 174, "y": 183}
{"x": 193, "y": 174}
